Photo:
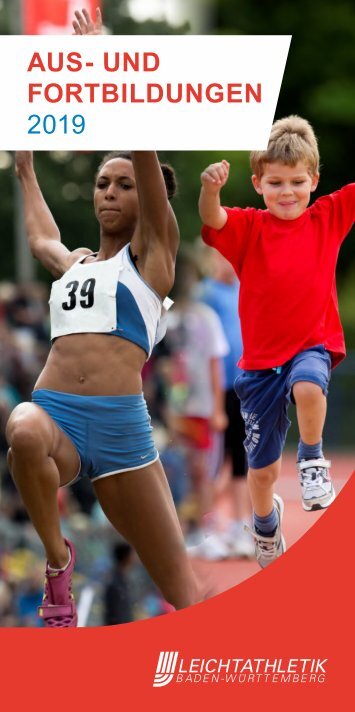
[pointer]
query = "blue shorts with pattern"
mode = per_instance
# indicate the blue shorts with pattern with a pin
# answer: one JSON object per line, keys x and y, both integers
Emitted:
{"x": 265, "y": 396}
{"x": 112, "y": 434}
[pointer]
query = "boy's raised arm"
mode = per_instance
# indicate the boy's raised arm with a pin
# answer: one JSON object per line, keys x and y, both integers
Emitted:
{"x": 213, "y": 178}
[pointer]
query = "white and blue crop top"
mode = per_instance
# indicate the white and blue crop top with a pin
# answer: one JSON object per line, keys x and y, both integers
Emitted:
{"x": 108, "y": 297}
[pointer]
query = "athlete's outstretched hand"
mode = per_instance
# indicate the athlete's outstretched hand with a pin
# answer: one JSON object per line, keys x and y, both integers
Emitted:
{"x": 23, "y": 160}
{"x": 215, "y": 176}
{"x": 84, "y": 25}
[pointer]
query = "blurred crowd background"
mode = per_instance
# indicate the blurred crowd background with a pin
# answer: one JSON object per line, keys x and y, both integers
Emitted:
{"x": 319, "y": 85}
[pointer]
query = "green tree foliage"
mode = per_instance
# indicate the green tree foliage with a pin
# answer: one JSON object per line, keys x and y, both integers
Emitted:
{"x": 319, "y": 84}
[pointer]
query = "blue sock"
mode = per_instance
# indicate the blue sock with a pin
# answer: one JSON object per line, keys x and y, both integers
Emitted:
{"x": 266, "y": 525}
{"x": 309, "y": 452}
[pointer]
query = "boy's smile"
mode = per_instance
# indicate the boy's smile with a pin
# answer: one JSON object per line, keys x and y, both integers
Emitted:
{"x": 286, "y": 190}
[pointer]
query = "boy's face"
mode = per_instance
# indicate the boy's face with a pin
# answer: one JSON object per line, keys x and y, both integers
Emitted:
{"x": 286, "y": 189}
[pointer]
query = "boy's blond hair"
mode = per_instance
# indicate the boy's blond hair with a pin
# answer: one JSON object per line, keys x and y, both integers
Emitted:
{"x": 292, "y": 139}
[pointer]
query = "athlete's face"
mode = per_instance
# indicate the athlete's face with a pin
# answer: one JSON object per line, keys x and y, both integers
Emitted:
{"x": 286, "y": 189}
{"x": 115, "y": 197}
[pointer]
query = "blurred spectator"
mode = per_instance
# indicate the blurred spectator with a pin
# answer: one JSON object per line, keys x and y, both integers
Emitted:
{"x": 220, "y": 290}
{"x": 28, "y": 309}
{"x": 196, "y": 343}
{"x": 7, "y": 611}
{"x": 23, "y": 335}
{"x": 83, "y": 493}
{"x": 23, "y": 578}
{"x": 29, "y": 597}
{"x": 117, "y": 602}
{"x": 174, "y": 461}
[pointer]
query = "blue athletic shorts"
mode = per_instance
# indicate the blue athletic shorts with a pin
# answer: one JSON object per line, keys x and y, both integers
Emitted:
{"x": 112, "y": 434}
{"x": 265, "y": 396}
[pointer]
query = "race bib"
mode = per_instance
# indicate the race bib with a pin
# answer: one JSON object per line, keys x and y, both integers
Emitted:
{"x": 84, "y": 299}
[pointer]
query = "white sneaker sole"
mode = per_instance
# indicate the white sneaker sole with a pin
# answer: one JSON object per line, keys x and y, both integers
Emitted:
{"x": 319, "y": 503}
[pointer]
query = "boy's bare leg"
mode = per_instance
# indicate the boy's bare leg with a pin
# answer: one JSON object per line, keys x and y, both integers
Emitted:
{"x": 311, "y": 405}
{"x": 316, "y": 485}
{"x": 268, "y": 511}
{"x": 261, "y": 487}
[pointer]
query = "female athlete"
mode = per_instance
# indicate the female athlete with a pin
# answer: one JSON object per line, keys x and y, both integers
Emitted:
{"x": 88, "y": 416}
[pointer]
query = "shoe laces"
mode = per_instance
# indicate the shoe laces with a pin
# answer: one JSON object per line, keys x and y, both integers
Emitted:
{"x": 267, "y": 545}
{"x": 315, "y": 474}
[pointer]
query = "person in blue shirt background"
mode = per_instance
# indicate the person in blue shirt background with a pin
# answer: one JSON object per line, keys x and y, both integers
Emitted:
{"x": 220, "y": 290}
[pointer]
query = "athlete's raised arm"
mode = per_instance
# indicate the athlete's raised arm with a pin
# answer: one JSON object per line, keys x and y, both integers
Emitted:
{"x": 84, "y": 25}
{"x": 42, "y": 232}
{"x": 157, "y": 236}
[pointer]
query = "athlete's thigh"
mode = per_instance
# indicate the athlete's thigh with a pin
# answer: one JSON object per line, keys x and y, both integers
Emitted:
{"x": 29, "y": 419}
{"x": 140, "y": 506}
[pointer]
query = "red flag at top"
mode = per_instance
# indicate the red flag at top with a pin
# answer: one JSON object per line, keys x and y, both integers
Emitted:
{"x": 53, "y": 17}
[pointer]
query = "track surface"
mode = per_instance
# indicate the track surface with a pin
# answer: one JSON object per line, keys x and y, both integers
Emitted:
{"x": 217, "y": 577}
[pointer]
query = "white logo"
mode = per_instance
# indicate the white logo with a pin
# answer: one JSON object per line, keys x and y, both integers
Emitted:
{"x": 241, "y": 671}
{"x": 252, "y": 430}
{"x": 165, "y": 668}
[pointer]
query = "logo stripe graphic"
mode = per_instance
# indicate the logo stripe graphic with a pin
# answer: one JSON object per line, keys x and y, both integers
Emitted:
{"x": 160, "y": 662}
{"x": 165, "y": 668}
{"x": 165, "y": 660}
{"x": 170, "y": 666}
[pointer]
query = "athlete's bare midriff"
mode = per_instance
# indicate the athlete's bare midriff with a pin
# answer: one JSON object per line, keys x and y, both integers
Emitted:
{"x": 93, "y": 365}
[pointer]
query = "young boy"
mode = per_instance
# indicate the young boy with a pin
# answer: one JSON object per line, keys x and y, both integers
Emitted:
{"x": 285, "y": 257}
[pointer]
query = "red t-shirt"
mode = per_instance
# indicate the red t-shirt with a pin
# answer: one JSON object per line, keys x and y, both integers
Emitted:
{"x": 288, "y": 300}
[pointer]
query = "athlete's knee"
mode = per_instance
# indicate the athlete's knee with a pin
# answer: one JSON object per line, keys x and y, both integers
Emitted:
{"x": 9, "y": 459}
{"x": 24, "y": 430}
{"x": 305, "y": 392}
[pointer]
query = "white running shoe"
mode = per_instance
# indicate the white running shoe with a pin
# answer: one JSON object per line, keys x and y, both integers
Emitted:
{"x": 316, "y": 485}
{"x": 239, "y": 543}
{"x": 212, "y": 548}
{"x": 269, "y": 548}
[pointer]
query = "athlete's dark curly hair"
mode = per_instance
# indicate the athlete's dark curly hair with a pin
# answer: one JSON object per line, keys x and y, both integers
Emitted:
{"x": 167, "y": 171}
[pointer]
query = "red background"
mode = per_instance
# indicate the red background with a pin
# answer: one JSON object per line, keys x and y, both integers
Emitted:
{"x": 300, "y": 607}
